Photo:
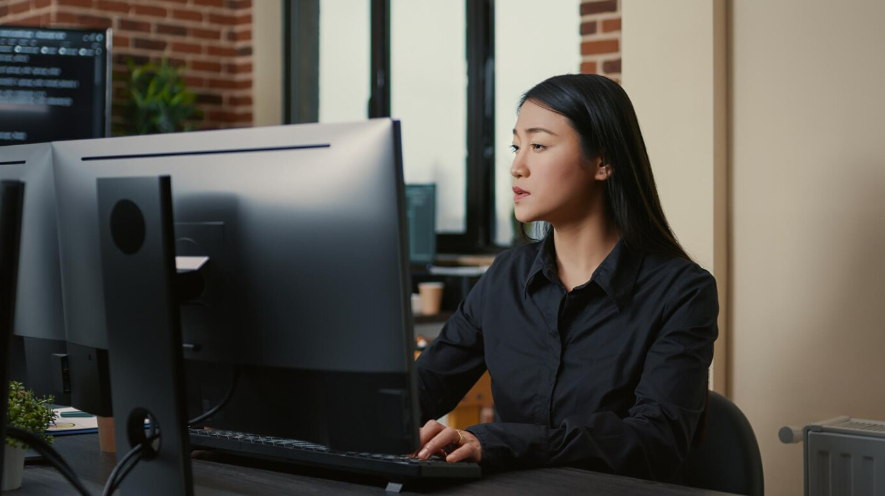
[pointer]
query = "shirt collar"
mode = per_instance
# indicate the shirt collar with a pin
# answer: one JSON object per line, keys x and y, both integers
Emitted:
{"x": 616, "y": 275}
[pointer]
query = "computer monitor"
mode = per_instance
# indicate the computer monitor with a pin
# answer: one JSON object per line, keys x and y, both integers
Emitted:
{"x": 54, "y": 84}
{"x": 39, "y": 320}
{"x": 307, "y": 286}
{"x": 421, "y": 215}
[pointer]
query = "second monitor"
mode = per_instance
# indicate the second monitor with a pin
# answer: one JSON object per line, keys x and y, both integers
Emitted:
{"x": 307, "y": 285}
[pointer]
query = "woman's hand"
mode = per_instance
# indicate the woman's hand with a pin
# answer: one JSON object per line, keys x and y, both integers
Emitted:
{"x": 453, "y": 444}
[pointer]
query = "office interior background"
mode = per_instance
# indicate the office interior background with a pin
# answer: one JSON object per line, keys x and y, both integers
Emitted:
{"x": 763, "y": 121}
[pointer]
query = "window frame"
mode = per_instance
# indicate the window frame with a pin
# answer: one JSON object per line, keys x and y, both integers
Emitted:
{"x": 301, "y": 101}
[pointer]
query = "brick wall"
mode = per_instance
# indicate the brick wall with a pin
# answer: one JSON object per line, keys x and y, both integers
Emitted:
{"x": 211, "y": 39}
{"x": 601, "y": 38}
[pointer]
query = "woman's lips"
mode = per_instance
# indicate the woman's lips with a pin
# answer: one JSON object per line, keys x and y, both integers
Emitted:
{"x": 519, "y": 194}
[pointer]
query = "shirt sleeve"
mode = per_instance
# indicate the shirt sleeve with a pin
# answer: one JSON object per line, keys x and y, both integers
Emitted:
{"x": 454, "y": 361}
{"x": 653, "y": 440}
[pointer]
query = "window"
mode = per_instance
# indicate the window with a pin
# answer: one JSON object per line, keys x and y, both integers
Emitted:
{"x": 522, "y": 60}
{"x": 428, "y": 82}
{"x": 432, "y": 64}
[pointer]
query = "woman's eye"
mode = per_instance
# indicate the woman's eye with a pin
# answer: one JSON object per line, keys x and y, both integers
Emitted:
{"x": 514, "y": 148}
{"x": 538, "y": 147}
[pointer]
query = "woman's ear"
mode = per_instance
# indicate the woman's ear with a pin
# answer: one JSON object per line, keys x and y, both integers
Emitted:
{"x": 603, "y": 169}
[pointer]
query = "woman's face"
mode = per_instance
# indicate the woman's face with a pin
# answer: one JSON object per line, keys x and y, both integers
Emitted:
{"x": 552, "y": 180}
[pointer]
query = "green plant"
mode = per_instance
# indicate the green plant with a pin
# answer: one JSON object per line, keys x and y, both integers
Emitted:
{"x": 159, "y": 100}
{"x": 28, "y": 412}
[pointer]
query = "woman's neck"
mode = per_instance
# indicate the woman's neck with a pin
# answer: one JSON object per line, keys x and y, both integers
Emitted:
{"x": 581, "y": 247}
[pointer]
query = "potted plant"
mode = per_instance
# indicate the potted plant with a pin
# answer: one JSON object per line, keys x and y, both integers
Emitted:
{"x": 159, "y": 101}
{"x": 29, "y": 413}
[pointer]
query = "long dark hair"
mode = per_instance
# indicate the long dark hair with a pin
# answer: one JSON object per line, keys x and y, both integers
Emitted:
{"x": 603, "y": 116}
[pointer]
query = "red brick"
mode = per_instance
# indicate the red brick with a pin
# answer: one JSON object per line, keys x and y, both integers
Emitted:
{"x": 39, "y": 4}
{"x": 610, "y": 25}
{"x": 206, "y": 99}
{"x": 239, "y": 4}
{"x": 206, "y": 34}
{"x": 244, "y": 85}
{"x": 176, "y": 62}
{"x": 76, "y": 3}
{"x": 193, "y": 82}
{"x": 221, "y": 116}
{"x": 64, "y": 18}
{"x": 171, "y": 29}
{"x": 4, "y": 10}
{"x": 598, "y": 7}
{"x": 226, "y": 84}
{"x": 112, "y": 6}
{"x": 236, "y": 36}
{"x": 88, "y": 21}
{"x": 149, "y": 10}
{"x": 149, "y": 44}
{"x": 124, "y": 58}
{"x": 588, "y": 67}
{"x": 601, "y": 46}
{"x": 199, "y": 65}
{"x": 127, "y": 25}
{"x": 238, "y": 68}
{"x": 244, "y": 19}
{"x": 188, "y": 15}
{"x": 186, "y": 48}
{"x": 588, "y": 28}
{"x": 210, "y": 3}
{"x": 226, "y": 20}
{"x": 239, "y": 100}
{"x": 221, "y": 51}
{"x": 612, "y": 66}
{"x": 18, "y": 8}
{"x": 244, "y": 51}
{"x": 121, "y": 41}
{"x": 32, "y": 21}
{"x": 175, "y": 1}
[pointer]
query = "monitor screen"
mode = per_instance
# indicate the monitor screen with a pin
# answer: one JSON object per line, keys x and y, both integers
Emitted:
{"x": 421, "y": 214}
{"x": 54, "y": 84}
{"x": 307, "y": 285}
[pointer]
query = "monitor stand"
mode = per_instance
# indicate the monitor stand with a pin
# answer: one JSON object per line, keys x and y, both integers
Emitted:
{"x": 11, "y": 197}
{"x": 144, "y": 331}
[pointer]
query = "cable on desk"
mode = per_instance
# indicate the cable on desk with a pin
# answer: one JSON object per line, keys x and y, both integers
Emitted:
{"x": 220, "y": 405}
{"x": 126, "y": 464}
{"x": 42, "y": 447}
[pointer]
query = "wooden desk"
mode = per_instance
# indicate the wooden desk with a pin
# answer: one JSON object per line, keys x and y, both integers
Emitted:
{"x": 248, "y": 477}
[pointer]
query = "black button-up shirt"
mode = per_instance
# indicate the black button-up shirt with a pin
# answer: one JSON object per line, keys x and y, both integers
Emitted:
{"x": 611, "y": 376}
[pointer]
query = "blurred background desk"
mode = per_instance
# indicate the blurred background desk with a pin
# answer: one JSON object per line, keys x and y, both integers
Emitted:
{"x": 220, "y": 476}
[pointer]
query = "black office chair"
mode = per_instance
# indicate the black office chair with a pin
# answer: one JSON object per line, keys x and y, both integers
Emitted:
{"x": 728, "y": 459}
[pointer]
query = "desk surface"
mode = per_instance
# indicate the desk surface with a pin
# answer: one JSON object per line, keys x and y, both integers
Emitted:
{"x": 219, "y": 476}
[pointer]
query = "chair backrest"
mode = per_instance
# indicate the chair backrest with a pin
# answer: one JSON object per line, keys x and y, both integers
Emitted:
{"x": 728, "y": 459}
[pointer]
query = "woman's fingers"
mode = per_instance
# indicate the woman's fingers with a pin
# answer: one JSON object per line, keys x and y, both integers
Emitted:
{"x": 429, "y": 431}
{"x": 443, "y": 438}
{"x": 465, "y": 452}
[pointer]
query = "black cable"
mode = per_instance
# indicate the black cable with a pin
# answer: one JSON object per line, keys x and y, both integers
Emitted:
{"x": 219, "y": 406}
{"x": 126, "y": 464}
{"x": 42, "y": 447}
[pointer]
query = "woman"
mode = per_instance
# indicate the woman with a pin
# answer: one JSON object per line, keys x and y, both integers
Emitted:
{"x": 598, "y": 338}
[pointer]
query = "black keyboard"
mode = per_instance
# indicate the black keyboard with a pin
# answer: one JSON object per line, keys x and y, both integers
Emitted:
{"x": 394, "y": 467}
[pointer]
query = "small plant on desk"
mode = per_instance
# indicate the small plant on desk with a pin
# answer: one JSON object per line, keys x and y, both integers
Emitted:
{"x": 27, "y": 412}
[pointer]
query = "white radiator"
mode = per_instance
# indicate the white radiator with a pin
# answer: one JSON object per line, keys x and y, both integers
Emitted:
{"x": 844, "y": 456}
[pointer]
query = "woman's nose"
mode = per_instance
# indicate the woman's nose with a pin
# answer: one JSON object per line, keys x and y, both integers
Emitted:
{"x": 518, "y": 168}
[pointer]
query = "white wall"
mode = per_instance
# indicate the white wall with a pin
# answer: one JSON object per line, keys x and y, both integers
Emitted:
{"x": 674, "y": 58}
{"x": 267, "y": 70}
{"x": 806, "y": 214}
{"x": 808, "y": 168}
